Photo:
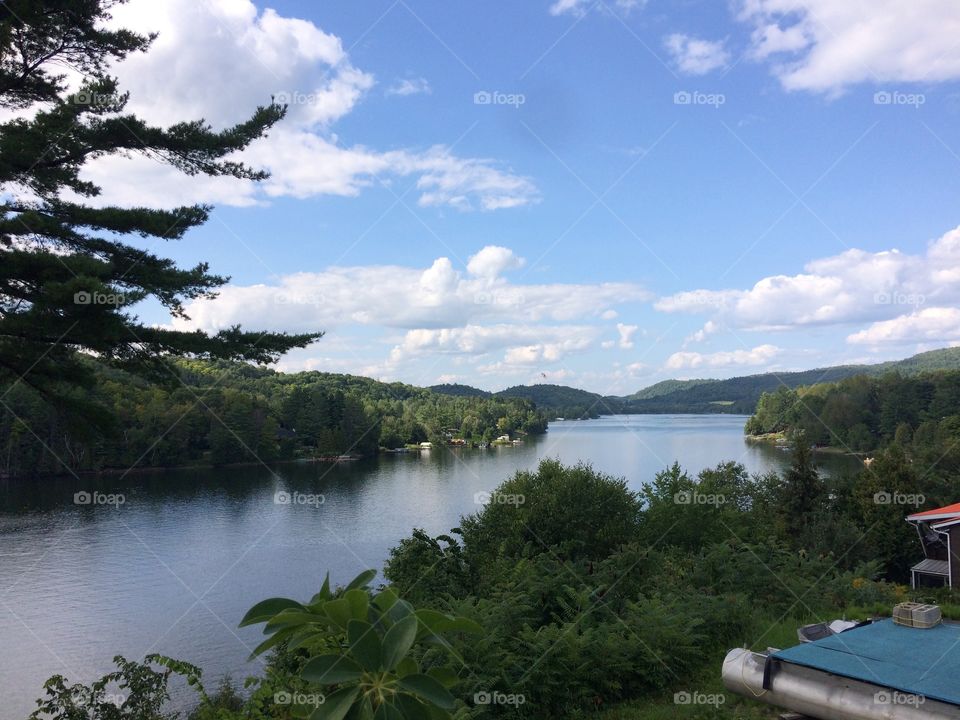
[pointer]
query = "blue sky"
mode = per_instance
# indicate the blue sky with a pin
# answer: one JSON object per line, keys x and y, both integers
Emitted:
{"x": 659, "y": 189}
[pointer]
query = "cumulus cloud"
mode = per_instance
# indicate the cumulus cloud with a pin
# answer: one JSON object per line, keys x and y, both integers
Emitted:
{"x": 760, "y": 355}
{"x": 934, "y": 324}
{"x": 493, "y": 260}
{"x": 854, "y": 286}
{"x": 695, "y": 56}
{"x": 390, "y": 296}
{"x": 219, "y": 60}
{"x": 826, "y": 46}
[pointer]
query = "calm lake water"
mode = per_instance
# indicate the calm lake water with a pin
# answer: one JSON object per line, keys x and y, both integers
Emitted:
{"x": 174, "y": 568}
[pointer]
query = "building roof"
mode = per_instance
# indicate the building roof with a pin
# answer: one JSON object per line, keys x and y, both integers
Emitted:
{"x": 911, "y": 660}
{"x": 949, "y": 512}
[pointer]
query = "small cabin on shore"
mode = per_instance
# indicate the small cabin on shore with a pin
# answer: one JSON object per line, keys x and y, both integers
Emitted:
{"x": 939, "y": 532}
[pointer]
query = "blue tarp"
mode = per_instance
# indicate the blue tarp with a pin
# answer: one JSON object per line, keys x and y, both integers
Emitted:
{"x": 912, "y": 660}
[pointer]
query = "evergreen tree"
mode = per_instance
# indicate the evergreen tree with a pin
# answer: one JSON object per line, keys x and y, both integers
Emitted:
{"x": 802, "y": 492}
{"x": 67, "y": 275}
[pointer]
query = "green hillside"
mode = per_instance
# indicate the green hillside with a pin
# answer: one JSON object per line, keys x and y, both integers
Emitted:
{"x": 741, "y": 394}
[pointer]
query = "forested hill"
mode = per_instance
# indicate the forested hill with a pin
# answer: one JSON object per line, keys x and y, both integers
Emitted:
{"x": 221, "y": 412}
{"x": 741, "y": 394}
{"x": 735, "y": 395}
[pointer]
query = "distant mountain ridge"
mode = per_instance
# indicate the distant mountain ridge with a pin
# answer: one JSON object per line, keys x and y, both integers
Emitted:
{"x": 738, "y": 395}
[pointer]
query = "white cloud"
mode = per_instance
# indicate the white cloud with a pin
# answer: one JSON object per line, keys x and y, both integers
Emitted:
{"x": 439, "y": 296}
{"x": 695, "y": 56}
{"x": 409, "y": 86}
{"x": 934, "y": 324}
{"x": 580, "y": 7}
{"x": 626, "y": 335}
{"x": 492, "y": 261}
{"x": 826, "y": 45}
{"x": 219, "y": 60}
{"x": 709, "y": 328}
{"x": 760, "y": 355}
{"x": 854, "y": 286}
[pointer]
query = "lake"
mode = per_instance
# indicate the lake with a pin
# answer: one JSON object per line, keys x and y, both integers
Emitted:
{"x": 175, "y": 566}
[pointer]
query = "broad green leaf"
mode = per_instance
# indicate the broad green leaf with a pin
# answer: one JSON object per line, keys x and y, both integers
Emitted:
{"x": 443, "y": 675}
{"x": 359, "y": 602}
{"x": 323, "y": 595}
{"x": 431, "y": 620}
{"x": 400, "y": 609}
{"x": 362, "y": 710}
{"x": 364, "y": 644}
{"x": 339, "y": 611}
{"x": 429, "y": 689}
{"x": 266, "y": 609}
{"x": 407, "y": 666}
{"x": 398, "y": 641}
{"x": 388, "y": 712}
{"x": 412, "y": 708}
{"x": 292, "y": 617}
{"x": 337, "y": 705}
{"x": 385, "y": 599}
{"x": 330, "y": 669}
{"x": 362, "y": 580}
{"x": 271, "y": 641}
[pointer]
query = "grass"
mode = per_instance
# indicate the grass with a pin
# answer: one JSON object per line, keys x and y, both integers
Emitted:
{"x": 770, "y": 632}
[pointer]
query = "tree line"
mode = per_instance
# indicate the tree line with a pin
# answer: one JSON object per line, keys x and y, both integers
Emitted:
{"x": 219, "y": 413}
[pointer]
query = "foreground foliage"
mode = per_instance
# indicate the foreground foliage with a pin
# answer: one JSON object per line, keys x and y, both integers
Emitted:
{"x": 589, "y": 595}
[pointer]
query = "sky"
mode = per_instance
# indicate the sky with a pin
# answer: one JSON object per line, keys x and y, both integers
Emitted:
{"x": 601, "y": 194}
